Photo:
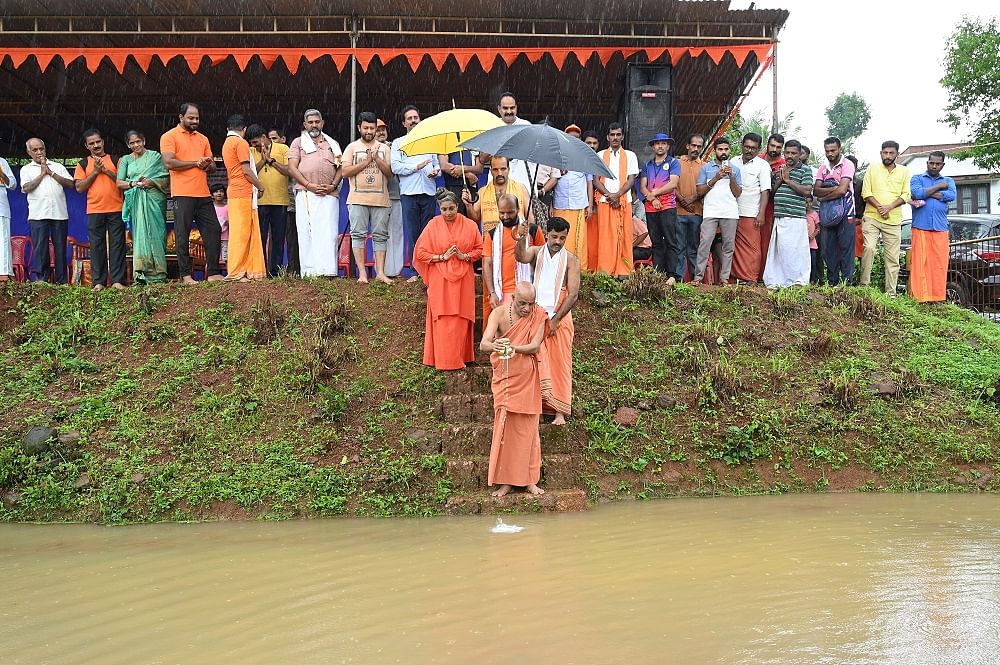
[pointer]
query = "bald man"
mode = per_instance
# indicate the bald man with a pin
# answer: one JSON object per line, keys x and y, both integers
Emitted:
{"x": 514, "y": 335}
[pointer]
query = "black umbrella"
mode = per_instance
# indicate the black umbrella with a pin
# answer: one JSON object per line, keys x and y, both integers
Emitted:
{"x": 540, "y": 144}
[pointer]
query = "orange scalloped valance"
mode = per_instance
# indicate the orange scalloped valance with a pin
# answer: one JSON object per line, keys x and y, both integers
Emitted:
{"x": 292, "y": 58}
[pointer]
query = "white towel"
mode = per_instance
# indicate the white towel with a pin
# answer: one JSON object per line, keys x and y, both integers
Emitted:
{"x": 522, "y": 270}
{"x": 309, "y": 146}
{"x": 550, "y": 272}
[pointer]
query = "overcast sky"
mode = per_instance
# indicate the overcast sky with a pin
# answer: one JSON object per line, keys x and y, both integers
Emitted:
{"x": 889, "y": 52}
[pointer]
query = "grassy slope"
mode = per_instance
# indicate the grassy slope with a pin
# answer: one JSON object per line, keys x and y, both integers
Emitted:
{"x": 294, "y": 398}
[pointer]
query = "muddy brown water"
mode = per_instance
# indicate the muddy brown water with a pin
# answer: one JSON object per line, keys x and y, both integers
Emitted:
{"x": 909, "y": 579}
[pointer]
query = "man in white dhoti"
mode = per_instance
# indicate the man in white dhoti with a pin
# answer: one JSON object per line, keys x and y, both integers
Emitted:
{"x": 788, "y": 259}
{"x": 314, "y": 162}
{"x": 7, "y": 181}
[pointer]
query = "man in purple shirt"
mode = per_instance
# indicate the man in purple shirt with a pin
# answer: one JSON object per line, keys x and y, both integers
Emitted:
{"x": 657, "y": 183}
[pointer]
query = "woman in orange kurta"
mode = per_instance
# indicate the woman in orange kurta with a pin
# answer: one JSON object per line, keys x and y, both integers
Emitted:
{"x": 443, "y": 257}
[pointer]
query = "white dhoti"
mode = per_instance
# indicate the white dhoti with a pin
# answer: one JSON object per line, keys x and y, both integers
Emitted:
{"x": 317, "y": 221}
{"x": 6, "y": 263}
{"x": 394, "y": 250}
{"x": 788, "y": 258}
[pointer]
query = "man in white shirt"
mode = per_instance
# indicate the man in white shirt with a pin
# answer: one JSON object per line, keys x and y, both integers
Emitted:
{"x": 417, "y": 184}
{"x": 755, "y": 175}
{"x": 720, "y": 185}
{"x": 43, "y": 181}
{"x": 7, "y": 181}
{"x": 614, "y": 207}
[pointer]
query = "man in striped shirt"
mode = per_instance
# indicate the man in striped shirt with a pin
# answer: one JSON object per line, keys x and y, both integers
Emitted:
{"x": 788, "y": 258}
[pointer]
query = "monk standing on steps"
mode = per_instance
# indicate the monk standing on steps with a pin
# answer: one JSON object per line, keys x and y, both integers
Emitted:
{"x": 514, "y": 334}
{"x": 557, "y": 287}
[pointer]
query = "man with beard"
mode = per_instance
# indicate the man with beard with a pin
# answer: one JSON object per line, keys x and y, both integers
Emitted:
{"x": 594, "y": 143}
{"x": 773, "y": 156}
{"x": 187, "y": 155}
{"x": 514, "y": 335}
{"x": 97, "y": 174}
{"x": 689, "y": 207}
{"x": 486, "y": 209}
{"x": 931, "y": 193}
{"x": 753, "y": 204}
{"x": 314, "y": 162}
{"x": 658, "y": 184}
{"x": 557, "y": 287}
{"x": 834, "y": 184}
{"x": 394, "y": 249}
{"x": 614, "y": 206}
{"x": 501, "y": 272}
{"x": 366, "y": 164}
{"x": 885, "y": 189}
{"x": 788, "y": 259}
{"x": 417, "y": 182}
{"x": 720, "y": 185}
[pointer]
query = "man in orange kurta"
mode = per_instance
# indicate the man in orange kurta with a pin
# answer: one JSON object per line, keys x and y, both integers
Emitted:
{"x": 500, "y": 276}
{"x": 246, "y": 254}
{"x": 443, "y": 257}
{"x": 514, "y": 334}
{"x": 614, "y": 206}
{"x": 557, "y": 287}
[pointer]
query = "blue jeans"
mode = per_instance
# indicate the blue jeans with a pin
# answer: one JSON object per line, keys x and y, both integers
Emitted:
{"x": 42, "y": 230}
{"x": 837, "y": 245}
{"x": 418, "y": 209}
{"x": 688, "y": 237}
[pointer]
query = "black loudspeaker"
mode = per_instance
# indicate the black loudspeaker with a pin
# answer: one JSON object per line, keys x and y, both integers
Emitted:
{"x": 648, "y": 106}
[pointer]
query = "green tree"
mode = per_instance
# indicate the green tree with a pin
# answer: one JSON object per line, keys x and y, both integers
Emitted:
{"x": 757, "y": 122}
{"x": 847, "y": 119}
{"x": 972, "y": 79}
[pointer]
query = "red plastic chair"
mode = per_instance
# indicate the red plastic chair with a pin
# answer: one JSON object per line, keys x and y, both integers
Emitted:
{"x": 642, "y": 262}
{"x": 344, "y": 254}
{"x": 20, "y": 252}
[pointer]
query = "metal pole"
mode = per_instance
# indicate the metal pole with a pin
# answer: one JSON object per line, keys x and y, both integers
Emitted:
{"x": 354, "y": 76}
{"x": 774, "y": 92}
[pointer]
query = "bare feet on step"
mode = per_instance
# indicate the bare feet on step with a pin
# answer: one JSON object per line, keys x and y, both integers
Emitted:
{"x": 560, "y": 419}
{"x": 535, "y": 490}
{"x": 504, "y": 489}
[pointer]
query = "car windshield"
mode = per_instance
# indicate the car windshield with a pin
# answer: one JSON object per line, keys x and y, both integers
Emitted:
{"x": 906, "y": 233}
{"x": 967, "y": 230}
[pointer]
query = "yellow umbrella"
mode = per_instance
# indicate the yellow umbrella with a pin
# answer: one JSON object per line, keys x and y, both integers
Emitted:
{"x": 440, "y": 134}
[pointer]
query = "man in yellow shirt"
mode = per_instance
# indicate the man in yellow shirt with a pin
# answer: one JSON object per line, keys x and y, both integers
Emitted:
{"x": 271, "y": 159}
{"x": 885, "y": 189}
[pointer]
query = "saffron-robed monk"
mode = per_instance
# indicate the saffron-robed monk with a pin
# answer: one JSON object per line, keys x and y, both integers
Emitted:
{"x": 557, "y": 287}
{"x": 514, "y": 334}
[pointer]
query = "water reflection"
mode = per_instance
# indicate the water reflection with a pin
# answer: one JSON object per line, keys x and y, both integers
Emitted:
{"x": 804, "y": 579}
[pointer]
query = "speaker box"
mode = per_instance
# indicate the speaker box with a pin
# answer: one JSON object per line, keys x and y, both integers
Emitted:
{"x": 648, "y": 106}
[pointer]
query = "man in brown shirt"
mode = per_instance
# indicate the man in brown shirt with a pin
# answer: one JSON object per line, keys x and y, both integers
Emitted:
{"x": 689, "y": 208}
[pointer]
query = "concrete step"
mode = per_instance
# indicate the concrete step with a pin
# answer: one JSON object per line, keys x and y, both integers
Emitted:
{"x": 474, "y": 440}
{"x": 471, "y": 474}
{"x": 475, "y": 379}
{"x": 475, "y": 407}
{"x": 481, "y": 503}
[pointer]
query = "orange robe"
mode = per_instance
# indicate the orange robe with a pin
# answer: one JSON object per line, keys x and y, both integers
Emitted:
{"x": 508, "y": 270}
{"x": 489, "y": 203}
{"x": 451, "y": 291}
{"x": 516, "y": 450}
{"x": 246, "y": 252}
{"x": 559, "y": 355}
{"x": 576, "y": 239}
{"x": 929, "y": 265}
{"x": 614, "y": 228}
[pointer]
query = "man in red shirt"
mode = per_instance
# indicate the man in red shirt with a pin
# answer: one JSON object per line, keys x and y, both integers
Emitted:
{"x": 97, "y": 174}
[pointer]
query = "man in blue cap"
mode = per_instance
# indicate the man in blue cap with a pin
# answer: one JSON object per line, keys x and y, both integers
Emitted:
{"x": 658, "y": 182}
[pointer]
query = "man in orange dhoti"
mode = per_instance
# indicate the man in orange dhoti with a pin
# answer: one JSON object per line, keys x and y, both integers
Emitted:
{"x": 614, "y": 206}
{"x": 443, "y": 257}
{"x": 514, "y": 334}
{"x": 590, "y": 138}
{"x": 486, "y": 209}
{"x": 501, "y": 270}
{"x": 930, "y": 194}
{"x": 246, "y": 253}
{"x": 557, "y": 286}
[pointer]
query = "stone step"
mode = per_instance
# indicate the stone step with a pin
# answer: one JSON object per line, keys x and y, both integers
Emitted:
{"x": 475, "y": 379}
{"x": 471, "y": 474}
{"x": 481, "y": 503}
{"x": 468, "y": 408}
{"x": 474, "y": 440}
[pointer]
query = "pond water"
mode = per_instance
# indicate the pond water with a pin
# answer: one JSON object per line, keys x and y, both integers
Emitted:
{"x": 850, "y": 578}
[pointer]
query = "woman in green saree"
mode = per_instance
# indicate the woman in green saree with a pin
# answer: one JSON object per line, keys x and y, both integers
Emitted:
{"x": 144, "y": 179}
